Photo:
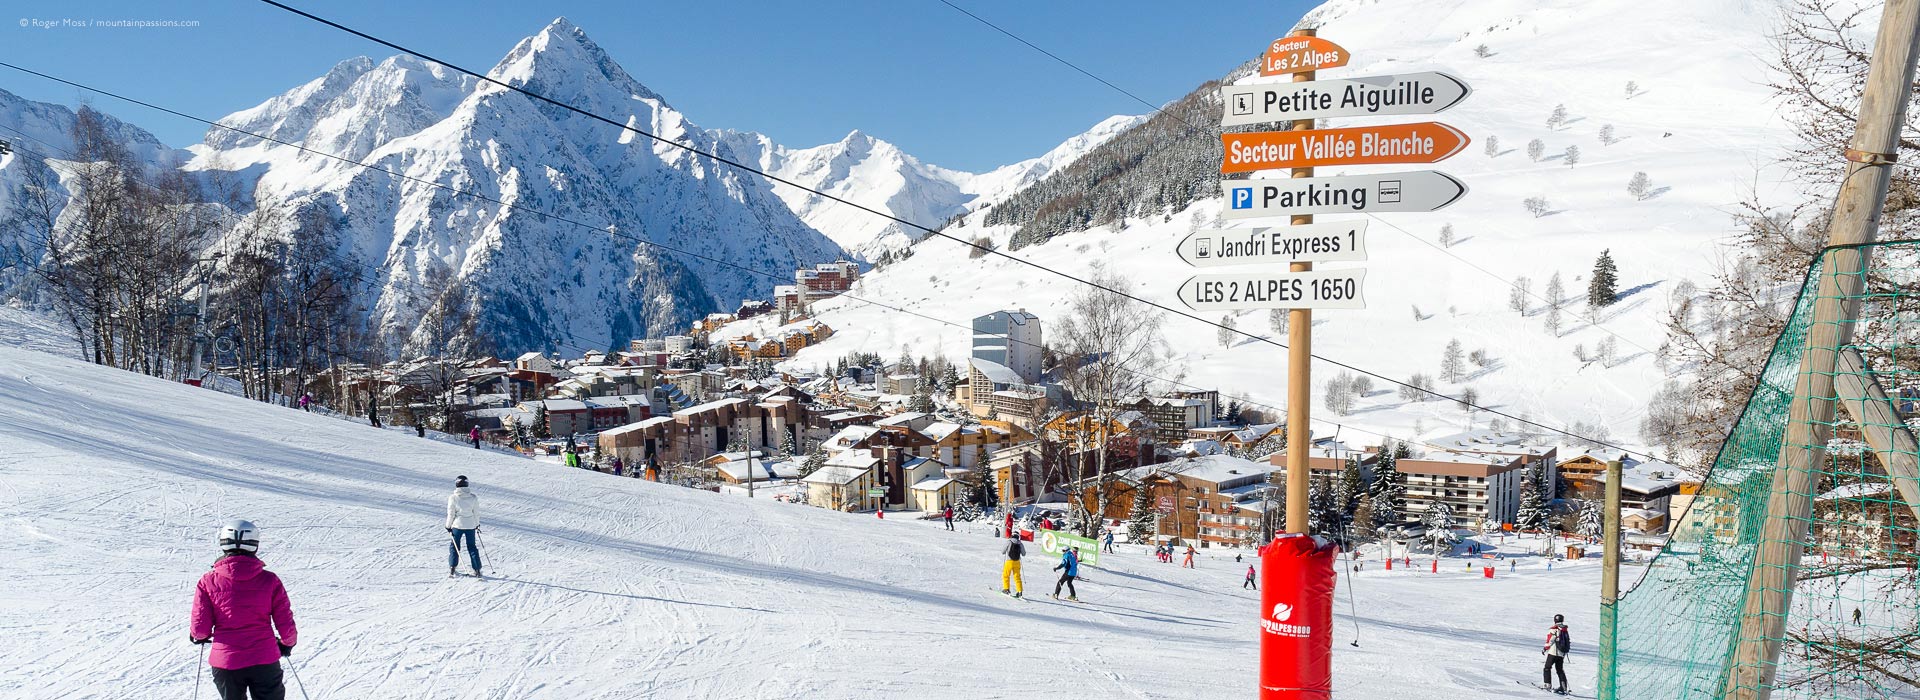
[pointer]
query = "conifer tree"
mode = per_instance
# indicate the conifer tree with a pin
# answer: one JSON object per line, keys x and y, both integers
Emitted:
{"x": 1603, "y": 290}
{"x": 1141, "y": 517}
{"x": 1352, "y": 486}
{"x": 1363, "y": 518}
{"x": 1590, "y": 520}
{"x": 1532, "y": 515}
{"x": 1439, "y": 523}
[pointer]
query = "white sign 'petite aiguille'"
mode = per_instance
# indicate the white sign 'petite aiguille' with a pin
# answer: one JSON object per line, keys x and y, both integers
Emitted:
{"x": 1383, "y": 95}
{"x": 1257, "y": 289}
{"x": 1420, "y": 190}
{"x": 1321, "y": 242}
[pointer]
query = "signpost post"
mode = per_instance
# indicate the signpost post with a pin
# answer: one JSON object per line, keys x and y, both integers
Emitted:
{"x": 1295, "y": 652}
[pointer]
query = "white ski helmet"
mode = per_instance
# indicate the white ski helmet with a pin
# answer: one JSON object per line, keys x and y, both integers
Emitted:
{"x": 241, "y": 535}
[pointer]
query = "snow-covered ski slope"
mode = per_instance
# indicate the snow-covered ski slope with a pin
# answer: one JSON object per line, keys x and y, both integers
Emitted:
{"x": 112, "y": 485}
{"x": 1701, "y": 125}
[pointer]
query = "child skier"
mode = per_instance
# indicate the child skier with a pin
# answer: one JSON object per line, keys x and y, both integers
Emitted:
{"x": 948, "y": 516}
{"x": 463, "y": 522}
{"x": 240, "y": 607}
{"x": 1069, "y": 568}
{"x": 473, "y": 435}
{"x": 1249, "y": 583}
{"x": 1188, "y": 563}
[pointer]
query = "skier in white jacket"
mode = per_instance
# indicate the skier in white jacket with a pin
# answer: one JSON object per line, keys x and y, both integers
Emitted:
{"x": 463, "y": 520}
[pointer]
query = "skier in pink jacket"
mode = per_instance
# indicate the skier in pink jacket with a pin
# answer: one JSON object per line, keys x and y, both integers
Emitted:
{"x": 239, "y": 606}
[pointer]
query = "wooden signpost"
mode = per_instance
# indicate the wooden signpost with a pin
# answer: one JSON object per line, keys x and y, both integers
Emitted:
{"x": 1290, "y": 670}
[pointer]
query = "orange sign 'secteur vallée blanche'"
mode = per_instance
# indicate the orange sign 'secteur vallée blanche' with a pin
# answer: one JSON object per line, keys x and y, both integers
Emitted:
{"x": 1423, "y": 142}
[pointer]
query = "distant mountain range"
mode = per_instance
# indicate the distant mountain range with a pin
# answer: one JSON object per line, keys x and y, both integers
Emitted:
{"x": 532, "y": 281}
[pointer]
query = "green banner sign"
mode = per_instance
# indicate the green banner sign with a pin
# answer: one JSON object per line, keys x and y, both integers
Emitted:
{"x": 1053, "y": 542}
{"x": 877, "y": 492}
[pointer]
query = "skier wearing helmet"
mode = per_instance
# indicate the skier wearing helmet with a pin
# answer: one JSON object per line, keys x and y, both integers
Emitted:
{"x": 1556, "y": 650}
{"x": 241, "y": 608}
{"x": 463, "y": 521}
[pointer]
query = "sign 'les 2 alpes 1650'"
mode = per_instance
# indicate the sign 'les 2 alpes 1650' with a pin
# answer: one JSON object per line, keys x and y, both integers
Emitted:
{"x": 1257, "y": 289}
{"x": 1423, "y": 142}
{"x": 1300, "y": 54}
{"x": 1385, "y": 95}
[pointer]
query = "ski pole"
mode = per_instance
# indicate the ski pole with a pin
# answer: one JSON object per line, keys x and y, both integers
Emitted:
{"x": 198, "y": 670}
{"x": 295, "y": 668}
{"x": 1353, "y": 610}
{"x": 482, "y": 544}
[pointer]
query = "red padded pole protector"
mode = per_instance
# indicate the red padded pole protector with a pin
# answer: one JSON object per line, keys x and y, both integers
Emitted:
{"x": 1296, "y": 618}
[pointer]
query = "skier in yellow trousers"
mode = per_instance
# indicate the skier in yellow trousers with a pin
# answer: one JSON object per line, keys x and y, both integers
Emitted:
{"x": 1010, "y": 571}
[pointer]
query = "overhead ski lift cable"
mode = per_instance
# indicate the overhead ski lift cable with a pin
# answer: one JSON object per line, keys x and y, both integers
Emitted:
{"x": 1208, "y": 133}
{"x": 614, "y": 232}
{"x": 929, "y": 231}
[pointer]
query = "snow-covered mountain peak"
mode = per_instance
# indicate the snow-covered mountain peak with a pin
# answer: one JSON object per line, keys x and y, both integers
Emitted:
{"x": 875, "y": 173}
{"x": 560, "y": 61}
{"x": 353, "y": 109}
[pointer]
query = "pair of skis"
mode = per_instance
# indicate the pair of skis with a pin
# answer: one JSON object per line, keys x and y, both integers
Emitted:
{"x": 1551, "y": 689}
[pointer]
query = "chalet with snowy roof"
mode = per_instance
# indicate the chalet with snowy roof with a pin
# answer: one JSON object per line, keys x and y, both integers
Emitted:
{"x": 750, "y": 308}
{"x": 534, "y": 362}
{"x": 1649, "y": 485}
{"x": 1200, "y": 498}
{"x": 1583, "y": 462}
{"x": 1199, "y": 448}
{"x": 911, "y": 420}
{"x": 933, "y": 494}
{"x": 755, "y": 465}
{"x": 965, "y": 445}
{"x": 1253, "y": 435}
{"x": 845, "y": 484}
{"x": 747, "y": 347}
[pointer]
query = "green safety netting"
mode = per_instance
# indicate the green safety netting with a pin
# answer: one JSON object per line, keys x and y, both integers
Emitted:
{"x": 1852, "y": 627}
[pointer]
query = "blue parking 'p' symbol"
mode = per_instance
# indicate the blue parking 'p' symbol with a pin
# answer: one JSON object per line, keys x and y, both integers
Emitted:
{"x": 1243, "y": 198}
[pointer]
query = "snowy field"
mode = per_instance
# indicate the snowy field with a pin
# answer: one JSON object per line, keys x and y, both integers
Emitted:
{"x": 112, "y": 485}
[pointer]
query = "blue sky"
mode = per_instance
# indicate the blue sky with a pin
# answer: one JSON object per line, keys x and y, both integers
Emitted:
{"x": 915, "y": 72}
